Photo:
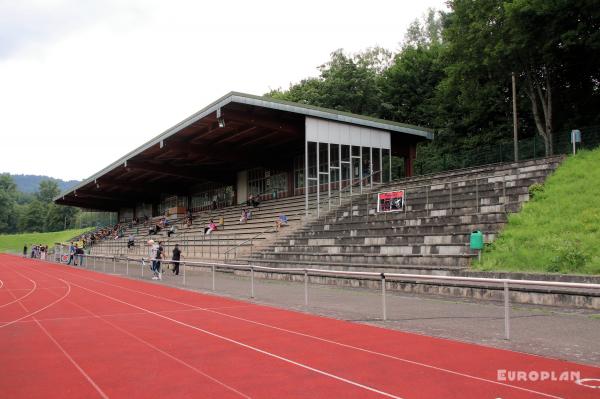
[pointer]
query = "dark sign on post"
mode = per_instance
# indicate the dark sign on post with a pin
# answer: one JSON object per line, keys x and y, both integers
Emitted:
{"x": 391, "y": 201}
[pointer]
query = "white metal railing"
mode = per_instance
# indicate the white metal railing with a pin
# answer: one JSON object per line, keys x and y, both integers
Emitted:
{"x": 86, "y": 260}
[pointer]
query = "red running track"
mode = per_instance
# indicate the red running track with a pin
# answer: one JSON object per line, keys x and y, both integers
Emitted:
{"x": 72, "y": 333}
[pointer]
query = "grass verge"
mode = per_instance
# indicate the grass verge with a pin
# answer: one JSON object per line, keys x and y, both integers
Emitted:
{"x": 13, "y": 243}
{"x": 558, "y": 230}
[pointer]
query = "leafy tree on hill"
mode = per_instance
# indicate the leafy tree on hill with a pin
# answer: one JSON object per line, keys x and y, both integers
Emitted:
{"x": 8, "y": 195}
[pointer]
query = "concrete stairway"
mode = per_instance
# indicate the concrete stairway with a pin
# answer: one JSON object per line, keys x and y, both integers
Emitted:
{"x": 430, "y": 236}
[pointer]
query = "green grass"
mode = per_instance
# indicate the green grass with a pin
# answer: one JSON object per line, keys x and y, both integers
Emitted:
{"x": 558, "y": 230}
{"x": 14, "y": 242}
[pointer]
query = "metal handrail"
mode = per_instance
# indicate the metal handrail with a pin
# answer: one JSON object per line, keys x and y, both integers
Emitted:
{"x": 307, "y": 272}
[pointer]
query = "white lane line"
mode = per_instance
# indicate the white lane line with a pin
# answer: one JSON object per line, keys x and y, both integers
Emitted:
{"x": 39, "y": 310}
{"x": 230, "y": 340}
{"x": 24, "y": 296}
{"x": 178, "y": 360}
{"x": 335, "y": 342}
{"x": 327, "y": 340}
{"x": 102, "y": 394}
{"x": 1, "y": 283}
{"x": 73, "y": 362}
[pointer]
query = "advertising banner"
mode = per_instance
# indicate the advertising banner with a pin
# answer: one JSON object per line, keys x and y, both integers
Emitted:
{"x": 391, "y": 201}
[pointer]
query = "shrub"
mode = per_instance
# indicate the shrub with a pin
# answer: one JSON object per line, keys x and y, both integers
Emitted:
{"x": 535, "y": 189}
{"x": 569, "y": 258}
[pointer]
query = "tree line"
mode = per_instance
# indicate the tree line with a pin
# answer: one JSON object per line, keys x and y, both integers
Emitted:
{"x": 453, "y": 74}
{"x": 35, "y": 212}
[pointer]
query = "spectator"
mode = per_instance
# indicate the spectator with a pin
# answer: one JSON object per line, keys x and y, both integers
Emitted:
{"x": 252, "y": 201}
{"x": 176, "y": 257}
{"x": 25, "y": 251}
{"x": 71, "y": 253}
{"x": 210, "y": 227}
{"x": 171, "y": 231}
{"x": 78, "y": 255}
{"x": 130, "y": 241}
{"x": 244, "y": 216}
{"x": 282, "y": 220}
{"x": 157, "y": 255}
{"x": 43, "y": 252}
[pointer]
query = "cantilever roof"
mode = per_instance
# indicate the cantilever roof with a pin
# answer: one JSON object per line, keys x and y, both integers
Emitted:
{"x": 265, "y": 103}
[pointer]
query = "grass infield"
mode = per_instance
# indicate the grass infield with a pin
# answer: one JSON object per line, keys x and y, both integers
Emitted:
{"x": 13, "y": 243}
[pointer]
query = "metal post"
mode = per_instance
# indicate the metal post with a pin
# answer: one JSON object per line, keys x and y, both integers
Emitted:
{"x": 506, "y": 312}
{"x": 329, "y": 176}
{"x": 104, "y": 265}
{"x": 305, "y": 175}
{"x": 142, "y": 267}
{"x": 318, "y": 180}
{"x": 305, "y": 287}
{"x": 371, "y": 165}
{"x": 360, "y": 171}
{"x": 114, "y": 264}
{"x": 213, "y": 277}
{"x": 451, "y": 207}
{"x": 383, "y": 297}
{"x": 504, "y": 192}
{"x": 251, "y": 281}
{"x": 515, "y": 128}
{"x": 127, "y": 266}
{"x": 427, "y": 200}
{"x": 340, "y": 172}
{"x": 94, "y": 262}
{"x": 477, "y": 194}
{"x": 184, "y": 281}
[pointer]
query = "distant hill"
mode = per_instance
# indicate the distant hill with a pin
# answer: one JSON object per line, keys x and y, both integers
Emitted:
{"x": 30, "y": 183}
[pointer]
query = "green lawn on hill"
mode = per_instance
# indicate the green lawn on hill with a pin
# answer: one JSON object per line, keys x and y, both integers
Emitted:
{"x": 13, "y": 243}
{"x": 558, "y": 230}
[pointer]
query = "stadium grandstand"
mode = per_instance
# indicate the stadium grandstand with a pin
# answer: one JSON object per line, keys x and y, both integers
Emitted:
{"x": 243, "y": 145}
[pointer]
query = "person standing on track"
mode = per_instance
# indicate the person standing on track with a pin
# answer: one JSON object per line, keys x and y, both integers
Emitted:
{"x": 176, "y": 257}
{"x": 157, "y": 254}
{"x": 25, "y": 251}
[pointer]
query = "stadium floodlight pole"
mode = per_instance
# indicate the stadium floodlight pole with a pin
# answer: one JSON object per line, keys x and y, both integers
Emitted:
{"x": 514, "y": 96}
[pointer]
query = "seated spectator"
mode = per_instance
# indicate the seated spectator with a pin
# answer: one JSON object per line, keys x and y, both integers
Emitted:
{"x": 252, "y": 201}
{"x": 249, "y": 214}
{"x": 130, "y": 241}
{"x": 282, "y": 220}
{"x": 212, "y": 226}
{"x": 244, "y": 216}
{"x": 171, "y": 231}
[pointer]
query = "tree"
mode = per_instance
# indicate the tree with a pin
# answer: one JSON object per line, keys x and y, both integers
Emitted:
{"x": 47, "y": 191}
{"x": 8, "y": 195}
{"x": 549, "y": 44}
{"x": 33, "y": 218}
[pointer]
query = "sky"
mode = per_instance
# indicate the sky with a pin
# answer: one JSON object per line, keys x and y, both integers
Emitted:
{"x": 83, "y": 82}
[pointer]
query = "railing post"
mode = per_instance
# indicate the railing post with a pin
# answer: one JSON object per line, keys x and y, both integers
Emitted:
{"x": 94, "y": 262}
{"x": 305, "y": 287}
{"x": 114, "y": 264}
{"x": 477, "y": 194}
{"x": 504, "y": 192}
{"x": 213, "y": 277}
{"x": 183, "y": 272}
{"x": 143, "y": 267}
{"x": 104, "y": 265}
{"x": 427, "y": 200}
{"x": 451, "y": 207}
{"x": 506, "y": 311}
{"x": 251, "y": 281}
{"x": 383, "y": 298}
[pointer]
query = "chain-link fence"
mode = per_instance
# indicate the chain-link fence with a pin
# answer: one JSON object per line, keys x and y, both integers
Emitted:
{"x": 529, "y": 148}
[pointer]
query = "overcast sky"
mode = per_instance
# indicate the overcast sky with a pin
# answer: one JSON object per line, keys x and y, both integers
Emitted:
{"x": 83, "y": 82}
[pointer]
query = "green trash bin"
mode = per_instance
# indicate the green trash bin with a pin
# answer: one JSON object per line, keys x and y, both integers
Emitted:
{"x": 477, "y": 240}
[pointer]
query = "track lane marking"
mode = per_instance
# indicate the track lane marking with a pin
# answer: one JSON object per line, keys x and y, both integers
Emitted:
{"x": 87, "y": 377}
{"x": 241, "y": 344}
{"x": 416, "y": 363}
{"x": 24, "y": 296}
{"x": 180, "y": 361}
